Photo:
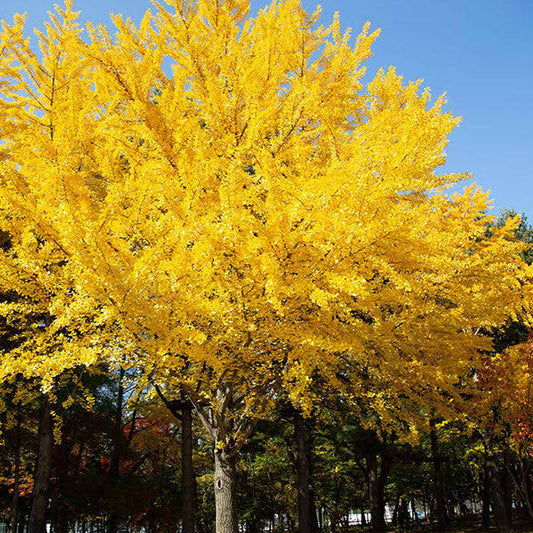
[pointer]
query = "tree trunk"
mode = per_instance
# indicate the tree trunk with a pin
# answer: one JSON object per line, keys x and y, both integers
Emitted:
{"x": 507, "y": 484}
{"x": 403, "y": 514}
{"x": 314, "y": 514}
{"x": 189, "y": 489}
{"x": 22, "y": 520}
{"x": 116, "y": 452}
{"x": 42, "y": 471}
{"x": 485, "y": 497}
{"x": 16, "y": 480}
{"x": 222, "y": 428}
{"x": 61, "y": 521}
{"x": 182, "y": 409}
{"x": 503, "y": 522}
{"x": 225, "y": 493}
{"x": 376, "y": 491}
{"x": 437, "y": 462}
{"x": 414, "y": 512}
{"x": 525, "y": 487}
{"x": 307, "y": 519}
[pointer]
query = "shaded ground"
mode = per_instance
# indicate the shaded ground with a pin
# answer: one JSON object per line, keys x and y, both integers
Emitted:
{"x": 459, "y": 526}
{"x": 468, "y": 526}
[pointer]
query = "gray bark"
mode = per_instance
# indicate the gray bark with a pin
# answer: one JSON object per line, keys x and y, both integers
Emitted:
{"x": 225, "y": 493}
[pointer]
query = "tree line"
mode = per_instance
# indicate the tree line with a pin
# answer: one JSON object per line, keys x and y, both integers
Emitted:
{"x": 117, "y": 461}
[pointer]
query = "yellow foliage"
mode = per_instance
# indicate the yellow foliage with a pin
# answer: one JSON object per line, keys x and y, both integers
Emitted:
{"x": 229, "y": 193}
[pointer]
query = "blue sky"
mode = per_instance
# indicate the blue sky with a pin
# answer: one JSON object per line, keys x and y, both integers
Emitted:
{"x": 480, "y": 52}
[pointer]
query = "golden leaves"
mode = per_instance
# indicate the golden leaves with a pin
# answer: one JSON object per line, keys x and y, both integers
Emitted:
{"x": 224, "y": 192}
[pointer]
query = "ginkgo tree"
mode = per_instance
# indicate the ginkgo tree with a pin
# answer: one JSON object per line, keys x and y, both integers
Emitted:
{"x": 228, "y": 193}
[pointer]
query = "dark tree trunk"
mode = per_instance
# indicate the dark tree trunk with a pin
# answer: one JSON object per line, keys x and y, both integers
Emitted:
{"x": 414, "y": 511}
{"x": 376, "y": 490}
{"x": 16, "y": 480}
{"x": 59, "y": 511}
{"x": 314, "y": 513}
{"x": 485, "y": 497}
{"x": 116, "y": 453}
{"x": 437, "y": 477}
{"x": 525, "y": 487}
{"x": 61, "y": 521}
{"x": 42, "y": 472}
{"x": 507, "y": 484}
{"x": 503, "y": 522}
{"x": 189, "y": 482}
{"x": 22, "y": 519}
{"x": 182, "y": 409}
{"x": 307, "y": 519}
{"x": 225, "y": 493}
{"x": 403, "y": 514}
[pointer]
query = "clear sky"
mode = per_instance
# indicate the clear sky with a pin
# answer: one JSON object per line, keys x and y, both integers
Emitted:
{"x": 479, "y": 51}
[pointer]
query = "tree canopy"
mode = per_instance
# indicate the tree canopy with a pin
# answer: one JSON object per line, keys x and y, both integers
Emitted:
{"x": 223, "y": 204}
